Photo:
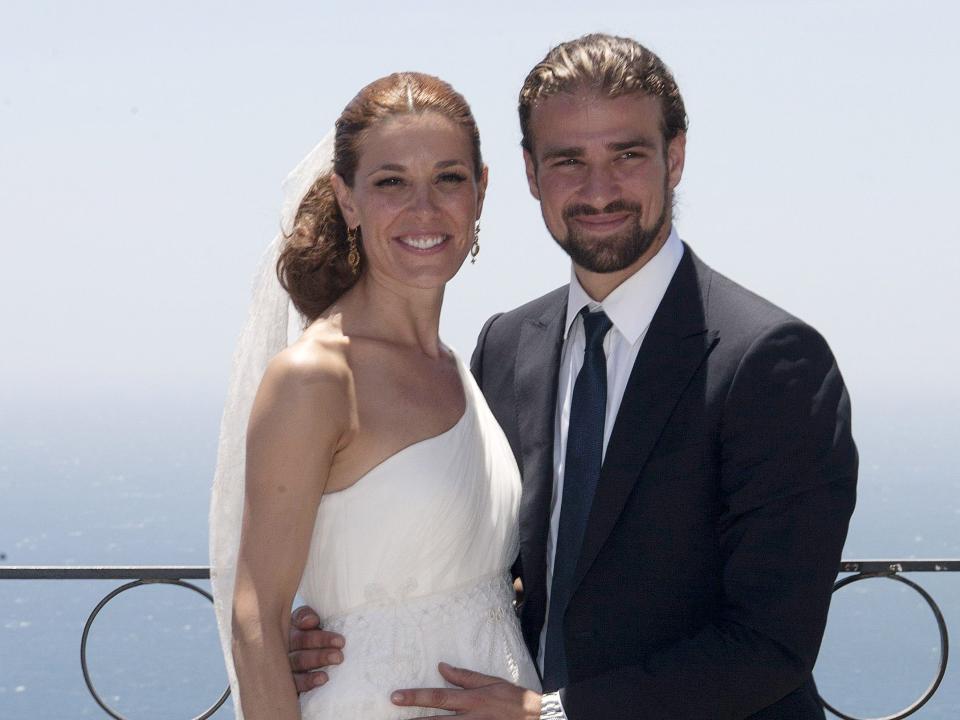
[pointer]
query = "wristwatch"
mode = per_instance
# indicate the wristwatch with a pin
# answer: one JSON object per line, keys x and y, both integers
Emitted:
{"x": 551, "y": 708}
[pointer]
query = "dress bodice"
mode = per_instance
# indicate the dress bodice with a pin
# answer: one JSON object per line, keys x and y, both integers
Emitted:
{"x": 411, "y": 563}
{"x": 435, "y": 515}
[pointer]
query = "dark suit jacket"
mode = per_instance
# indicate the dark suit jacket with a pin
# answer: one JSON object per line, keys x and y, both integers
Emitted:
{"x": 715, "y": 535}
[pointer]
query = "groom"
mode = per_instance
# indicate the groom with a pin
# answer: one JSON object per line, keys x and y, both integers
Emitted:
{"x": 688, "y": 468}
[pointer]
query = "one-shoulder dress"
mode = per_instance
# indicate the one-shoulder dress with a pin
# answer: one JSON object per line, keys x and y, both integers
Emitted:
{"x": 412, "y": 565}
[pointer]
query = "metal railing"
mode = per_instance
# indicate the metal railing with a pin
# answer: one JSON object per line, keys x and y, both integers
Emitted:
{"x": 892, "y": 570}
{"x": 138, "y": 575}
{"x": 855, "y": 571}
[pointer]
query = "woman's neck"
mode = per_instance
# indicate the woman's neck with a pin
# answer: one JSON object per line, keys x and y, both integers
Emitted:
{"x": 385, "y": 310}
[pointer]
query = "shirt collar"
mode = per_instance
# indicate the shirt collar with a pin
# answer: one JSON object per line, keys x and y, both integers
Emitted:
{"x": 632, "y": 304}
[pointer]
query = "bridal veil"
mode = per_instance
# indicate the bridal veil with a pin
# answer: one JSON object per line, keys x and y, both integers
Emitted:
{"x": 271, "y": 324}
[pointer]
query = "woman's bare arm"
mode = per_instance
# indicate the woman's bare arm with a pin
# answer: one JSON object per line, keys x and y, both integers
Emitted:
{"x": 301, "y": 414}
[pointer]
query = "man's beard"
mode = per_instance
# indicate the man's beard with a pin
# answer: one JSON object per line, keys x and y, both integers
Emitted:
{"x": 615, "y": 252}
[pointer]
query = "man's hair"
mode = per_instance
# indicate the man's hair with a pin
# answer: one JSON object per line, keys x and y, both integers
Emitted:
{"x": 607, "y": 65}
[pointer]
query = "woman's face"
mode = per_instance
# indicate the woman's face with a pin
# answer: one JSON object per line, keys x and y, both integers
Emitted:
{"x": 415, "y": 199}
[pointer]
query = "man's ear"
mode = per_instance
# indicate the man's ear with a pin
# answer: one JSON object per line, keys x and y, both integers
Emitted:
{"x": 676, "y": 154}
{"x": 345, "y": 200}
{"x": 531, "y": 166}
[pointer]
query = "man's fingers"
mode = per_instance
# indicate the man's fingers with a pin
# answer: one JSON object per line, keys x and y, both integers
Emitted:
{"x": 309, "y": 680}
{"x": 465, "y": 678}
{"x": 307, "y": 660}
{"x": 439, "y": 698}
{"x": 315, "y": 640}
{"x": 305, "y": 618}
{"x": 445, "y": 698}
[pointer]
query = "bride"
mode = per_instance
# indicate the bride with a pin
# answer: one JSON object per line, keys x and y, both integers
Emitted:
{"x": 371, "y": 476}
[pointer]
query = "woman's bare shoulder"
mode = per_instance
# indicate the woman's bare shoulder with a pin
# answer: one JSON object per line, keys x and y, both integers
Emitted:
{"x": 318, "y": 357}
{"x": 311, "y": 380}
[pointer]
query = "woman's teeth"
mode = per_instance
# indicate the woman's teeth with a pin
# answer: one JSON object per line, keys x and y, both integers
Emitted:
{"x": 422, "y": 242}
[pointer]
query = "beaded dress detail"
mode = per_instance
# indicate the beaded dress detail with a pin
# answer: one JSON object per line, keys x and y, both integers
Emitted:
{"x": 412, "y": 565}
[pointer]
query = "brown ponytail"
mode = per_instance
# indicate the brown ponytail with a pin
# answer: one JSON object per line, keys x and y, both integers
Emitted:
{"x": 313, "y": 266}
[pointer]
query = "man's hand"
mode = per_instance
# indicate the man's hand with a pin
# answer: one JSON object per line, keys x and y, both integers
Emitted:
{"x": 481, "y": 696}
{"x": 311, "y": 648}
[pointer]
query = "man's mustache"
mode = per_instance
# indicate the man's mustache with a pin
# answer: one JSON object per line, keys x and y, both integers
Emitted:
{"x": 616, "y": 206}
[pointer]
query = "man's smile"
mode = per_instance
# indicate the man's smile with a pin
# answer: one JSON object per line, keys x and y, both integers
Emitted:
{"x": 601, "y": 222}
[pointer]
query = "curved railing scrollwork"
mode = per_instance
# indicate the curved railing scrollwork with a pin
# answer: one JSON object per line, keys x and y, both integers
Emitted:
{"x": 139, "y": 576}
{"x": 891, "y": 570}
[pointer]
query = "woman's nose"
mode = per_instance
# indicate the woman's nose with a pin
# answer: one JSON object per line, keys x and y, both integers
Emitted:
{"x": 424, "y": 198}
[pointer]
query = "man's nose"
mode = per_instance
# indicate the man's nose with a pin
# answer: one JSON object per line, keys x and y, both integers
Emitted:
{"x": 600, "y": 187}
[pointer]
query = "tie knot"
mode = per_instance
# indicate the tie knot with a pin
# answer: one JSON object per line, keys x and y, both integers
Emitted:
{"x": 595, "y": 326}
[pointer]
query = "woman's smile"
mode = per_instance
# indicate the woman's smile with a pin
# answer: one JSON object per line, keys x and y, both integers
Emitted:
{"x": 423, "y": 243}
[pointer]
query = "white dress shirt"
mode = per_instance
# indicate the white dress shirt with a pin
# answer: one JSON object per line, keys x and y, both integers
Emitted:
{"x": 630, "y": 307}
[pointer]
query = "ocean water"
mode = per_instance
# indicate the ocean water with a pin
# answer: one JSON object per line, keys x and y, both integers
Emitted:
{"x": 128, "y": 482}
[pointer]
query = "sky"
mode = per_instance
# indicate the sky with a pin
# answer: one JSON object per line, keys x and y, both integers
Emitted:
{"x": 142, "y": 147}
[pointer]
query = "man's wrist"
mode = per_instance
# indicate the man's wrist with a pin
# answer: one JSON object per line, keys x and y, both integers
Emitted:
{"x": 551, "y": 708}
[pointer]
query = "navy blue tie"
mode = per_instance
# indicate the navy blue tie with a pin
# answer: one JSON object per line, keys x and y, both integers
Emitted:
{"x": 584, "y": 456}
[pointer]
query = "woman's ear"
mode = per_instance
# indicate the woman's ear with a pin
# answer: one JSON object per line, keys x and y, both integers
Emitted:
{"x": 345, "y": 200}
{"x": 482, "y": 190}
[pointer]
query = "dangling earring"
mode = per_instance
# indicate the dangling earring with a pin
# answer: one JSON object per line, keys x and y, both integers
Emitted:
{"x": 353, "y": 254}
{"x": 475, "y": 250}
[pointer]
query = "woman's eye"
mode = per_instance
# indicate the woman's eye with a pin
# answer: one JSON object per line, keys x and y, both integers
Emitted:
{"x": 389, "y": 182}
{"x": 452, "y": 178}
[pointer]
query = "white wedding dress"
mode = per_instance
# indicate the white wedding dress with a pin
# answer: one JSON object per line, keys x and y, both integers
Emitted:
{"x": 412, "y": 565}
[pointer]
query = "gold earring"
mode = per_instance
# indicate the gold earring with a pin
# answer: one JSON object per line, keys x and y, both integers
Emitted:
{"x": 353, "y": 254}
{"x": 475, "y": 250}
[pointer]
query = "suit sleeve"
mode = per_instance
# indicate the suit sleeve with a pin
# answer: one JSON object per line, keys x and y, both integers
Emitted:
{"x": 787, "y": 484}
{"x": 476, "y": 360}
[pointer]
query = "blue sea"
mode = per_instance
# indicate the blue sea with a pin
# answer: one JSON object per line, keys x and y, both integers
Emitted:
{"x": 125, "y": 481}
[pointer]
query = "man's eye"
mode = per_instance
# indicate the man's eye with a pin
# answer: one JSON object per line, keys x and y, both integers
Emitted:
{"x": 567, "y": 162}
{"x": 389, "y": 182}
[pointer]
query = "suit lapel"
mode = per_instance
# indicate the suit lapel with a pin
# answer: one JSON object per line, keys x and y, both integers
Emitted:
{"x": 675, "y": 346}
{"x": 538, "y": 365}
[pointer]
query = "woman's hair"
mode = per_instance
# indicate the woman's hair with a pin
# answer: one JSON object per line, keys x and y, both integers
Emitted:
{"x": 313, "y": 266}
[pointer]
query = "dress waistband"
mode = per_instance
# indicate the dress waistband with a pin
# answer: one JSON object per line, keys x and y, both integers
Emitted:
{"x": 494, "y": 592}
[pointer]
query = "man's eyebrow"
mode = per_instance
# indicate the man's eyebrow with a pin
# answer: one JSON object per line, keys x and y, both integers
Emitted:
{"x": 566, "y": 152}
{"x": 641, "y": 141}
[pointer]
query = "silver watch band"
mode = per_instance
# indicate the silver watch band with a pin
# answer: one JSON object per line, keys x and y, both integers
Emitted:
{"x": 551, "y": 707}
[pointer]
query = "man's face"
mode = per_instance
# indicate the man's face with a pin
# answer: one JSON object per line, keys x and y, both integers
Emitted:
{"x": 603, "y": 177}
